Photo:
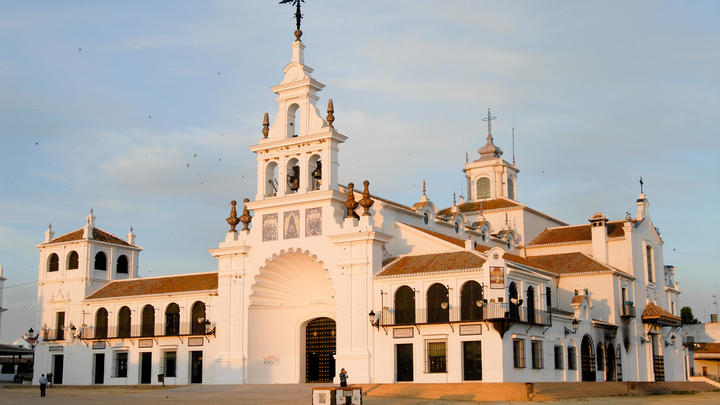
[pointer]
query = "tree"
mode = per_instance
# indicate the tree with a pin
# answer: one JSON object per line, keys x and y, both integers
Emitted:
{"x": 687, "y": 316}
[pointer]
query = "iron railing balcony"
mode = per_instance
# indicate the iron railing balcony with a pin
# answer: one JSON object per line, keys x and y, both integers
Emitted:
{"x": 49, "y": 335}
{"x": 137, "y": 331}
{"x": 627, "y": 310}
{"x": 488, "y": 312}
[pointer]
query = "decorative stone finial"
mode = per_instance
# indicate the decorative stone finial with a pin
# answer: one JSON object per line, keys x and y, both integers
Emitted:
{"x": 424, "y": 188}
{"x": 467, "y": 158}
{"x": 246, "y": 218}
{"x": 330, "y": 115}
{"x": 266, "y": 125}
{"x": 298, "y": 34}
{"x": 351, "y": 204}
{"x": 366, "y": 201}
{"x": 233, "y": 219}
{"x": 454, "y": 199}
{"x": 131, "y": 236}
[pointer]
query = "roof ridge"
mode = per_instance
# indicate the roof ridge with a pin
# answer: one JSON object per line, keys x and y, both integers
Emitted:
{"x": 157, "y": 277}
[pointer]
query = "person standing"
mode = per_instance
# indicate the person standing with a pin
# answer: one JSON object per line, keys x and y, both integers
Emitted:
{"x": 343, "y": 377}
{"x": 43, "y": 384}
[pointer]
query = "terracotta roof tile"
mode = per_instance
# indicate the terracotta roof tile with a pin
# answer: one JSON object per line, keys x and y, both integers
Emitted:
{"x": 578, "y": 299}
{"x": 575, "y": 233}
{"x": 655, "y": 314}
{"x": 571, "y": 263}
{"x": 433, "y": 262}
{"x": 707, "y": 348}
{"x": 158, "y": 285}
{"x": 480, "y": 248}
{"x": 493, "y": 204}
{"x": 97, "y": 234}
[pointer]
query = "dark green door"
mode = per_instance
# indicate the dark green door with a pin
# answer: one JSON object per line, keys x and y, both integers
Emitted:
{"x": 404, "y": 361}
{"x": 472, "y": 361}
{"x": 196, "y": 360}
{"x": 99, "y": 368}
{"x": 145, "y": 368}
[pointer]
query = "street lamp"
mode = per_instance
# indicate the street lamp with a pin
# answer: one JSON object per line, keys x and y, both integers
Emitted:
{"x": 575, "y": 324}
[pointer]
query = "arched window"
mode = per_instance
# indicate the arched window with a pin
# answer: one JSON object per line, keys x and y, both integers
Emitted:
{"x": 511, "y": 188}
{"x": 513, "y": 301}
{"x": 471, "y": 302}
{"x": 100, "y": 261}
{"x": 483, "y": 188}
{"x": 649, "y": 264}
{"x": 531, "y": 305}
{"x": 122, "y": 264}
{"x": 101, "y": 323}
{"x": 587, "y": 357}
{"x": 198, "y": 318}
{"x": 124, "y": 322}
{"x": 271, "y": 179}
{"x": 147, "y": 325}
{"x": 172, "y": 320}
{"x": 315, "y": 171}
{"x": 293, "y": 129}
{"x": 53, "y": 263}
{"x": 73, "y": 261}
{"x": 548, "y": 297}
{"x": 404, "y": 306}
{"x": 600, "y": 356}
{"x": 293, "y": 176}
{"x": 438, "y": 309}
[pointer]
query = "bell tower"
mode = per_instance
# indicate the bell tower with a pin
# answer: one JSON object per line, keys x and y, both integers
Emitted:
{"x": 491, "y": 176}
{"x": 299, "y": 152}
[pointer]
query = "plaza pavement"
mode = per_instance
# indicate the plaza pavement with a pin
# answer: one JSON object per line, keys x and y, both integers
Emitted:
{"x": 274, "y": 394}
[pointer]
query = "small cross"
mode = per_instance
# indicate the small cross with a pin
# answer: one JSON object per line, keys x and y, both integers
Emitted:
{"x": 641, "y": 185}
{"x": 489, "y": 120}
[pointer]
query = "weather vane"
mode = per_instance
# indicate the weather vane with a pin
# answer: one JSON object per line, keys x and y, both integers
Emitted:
{"x": 489, "y": 120}
{"x": 641, "y": 185}
{"x": 298, "y": 15}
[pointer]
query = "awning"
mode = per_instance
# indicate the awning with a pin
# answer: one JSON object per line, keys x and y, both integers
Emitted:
{"x": 654, "y": 314}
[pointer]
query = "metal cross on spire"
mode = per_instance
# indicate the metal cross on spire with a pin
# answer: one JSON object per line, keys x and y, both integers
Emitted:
{"x": 489, "y": 120}
{"x": 298, "y": 15}
{"x": 641, "y": 185}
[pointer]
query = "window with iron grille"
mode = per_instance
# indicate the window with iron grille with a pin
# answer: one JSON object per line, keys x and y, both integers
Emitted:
{"x": 537, "y": 354}
{"x": 436, "y": 356}
{"x": 559, "y": 360}
{"x": 519, "y": 353}
{"x": 572, "y": 358}
{"x": 169, "y": 363}
{"x": 120, "y": 364}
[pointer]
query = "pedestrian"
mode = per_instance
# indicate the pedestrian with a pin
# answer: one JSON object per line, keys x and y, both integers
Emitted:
{"x": 43, "y": 384}
{"x": 343, "y": 377}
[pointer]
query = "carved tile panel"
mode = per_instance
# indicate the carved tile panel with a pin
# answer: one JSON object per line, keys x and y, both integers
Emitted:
{"x": 313, "y": 221}
{"x": 269, "y": 227}
{"x": 291, "y": 223}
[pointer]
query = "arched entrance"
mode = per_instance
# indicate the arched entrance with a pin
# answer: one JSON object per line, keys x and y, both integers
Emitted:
{"x": 320, "y": 350}
{"x": 588, "y": 359}
{"x": 610, "y": 374}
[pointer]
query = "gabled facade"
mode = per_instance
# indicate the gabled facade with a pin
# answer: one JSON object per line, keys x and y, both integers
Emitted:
{"x": 324, "y": 276}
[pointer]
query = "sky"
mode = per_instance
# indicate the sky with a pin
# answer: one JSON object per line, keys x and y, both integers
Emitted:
{"x": 105, "y": 104}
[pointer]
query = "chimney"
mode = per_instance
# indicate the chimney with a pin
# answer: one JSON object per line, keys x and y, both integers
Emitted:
{"x": 89, "y": 226}
{"x": 49, "y": 234}
{"x": 643, "y": 204}
{"x": 598, "y": 227}
{"x": 131, "y": 236}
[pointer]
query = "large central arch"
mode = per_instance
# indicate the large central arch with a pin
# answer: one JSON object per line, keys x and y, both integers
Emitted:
{"x": 289, "y": 291}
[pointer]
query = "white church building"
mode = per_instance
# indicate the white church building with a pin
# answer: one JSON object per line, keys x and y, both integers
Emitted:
{"x": 324, "y": 276}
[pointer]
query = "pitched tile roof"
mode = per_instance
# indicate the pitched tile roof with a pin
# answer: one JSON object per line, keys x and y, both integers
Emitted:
{"x": 473, "y": 206}
{"x": 480, "y": 248}
{"x": 578, "y": 299}
{"x": 97, "y": 234}
{"x": 707, "y": 348}
{"x": 158, "y": 285}
{"x": 655, "y": 314}
{"x": 433, "y": 262}
{"x": 571, "y": 263}
{"x": 575, "y": 233}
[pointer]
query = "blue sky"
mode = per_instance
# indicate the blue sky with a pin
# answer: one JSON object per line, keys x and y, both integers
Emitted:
{"x": 103, "y": 104}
